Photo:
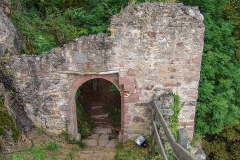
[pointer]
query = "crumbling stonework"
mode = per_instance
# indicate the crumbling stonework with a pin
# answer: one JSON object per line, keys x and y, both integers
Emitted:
{"x": 154, "y": 48}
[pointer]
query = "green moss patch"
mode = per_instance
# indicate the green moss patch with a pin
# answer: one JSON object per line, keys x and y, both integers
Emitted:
{"x": 7, "y": 120}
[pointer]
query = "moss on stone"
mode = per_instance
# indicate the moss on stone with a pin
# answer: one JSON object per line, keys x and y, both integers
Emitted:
{"x": 7, "y": 120}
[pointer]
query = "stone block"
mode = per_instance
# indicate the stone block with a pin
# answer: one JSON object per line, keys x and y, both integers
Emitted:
{"x": 126, "y": 80}
{"x": 79, "y": 57}
{"x": 129, "y": 88}
{"x": 172, "y": 84}
{"x": 90, "y": 142}
{"x": 138, "y": 119}
{"x": 103, "y": 130}
{"x": 126, "y": 118}
{"x": 183, "y": 137}
{"x": 111, "y": 144}
{"x": 104, "y": 137}
{"x": 103, "y": 142}
{"x": 131, "y": 72}
{"x": 134, "y": 97}
{"x": 125, "y": 108}
{"x": 93, "y": 136}
{"x": 189, "y": 123}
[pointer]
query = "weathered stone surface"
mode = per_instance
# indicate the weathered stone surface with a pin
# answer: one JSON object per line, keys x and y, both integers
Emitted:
{"x": 11, "y": 40}
{"x": 138, "y": 119}
{"x": 105, "y": 131}
{"x": 93, "y": 136}
{"x": 183, "y": 137}
{"x": 104, "y": 137}
{"x": 156, "y": 50}
{"x": 103, "y": 142}
{"x": 111, "y": 144}
{"x": 90, "y": 142}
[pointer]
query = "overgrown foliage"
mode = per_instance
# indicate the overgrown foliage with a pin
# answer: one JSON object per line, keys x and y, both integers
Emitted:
{"x": 7, "y": 121}
{"x": 224, "y": 145}
{"x": 176, "y": 107}
{"x": 115, "y": 115}
{"x": 83, "y": 121}
{"x": 130, "y": 151}
{"x": 114, "y": 89}
{"x": 231, "y": 11}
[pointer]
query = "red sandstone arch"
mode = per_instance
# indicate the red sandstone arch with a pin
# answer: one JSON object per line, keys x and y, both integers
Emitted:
{"x": 113, "y": 78}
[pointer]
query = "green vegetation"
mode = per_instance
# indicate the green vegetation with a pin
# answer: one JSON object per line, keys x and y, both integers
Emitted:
{"x": 7, "y": 121}
{"x": 44, "y": 148}
{"x": 115, "y": 115}
{"x": 38, "y": 154}
{"x": 52, "y": 146}
{"x": 224, "y": 145}
{"x": 80, "y": 144}
{"x": 84, "y": 123}
{"x": 130, "y": 151}
{"x": 169, "y": 153}
{"x": 114, "y": 89}
{"x": 173, "y": 125}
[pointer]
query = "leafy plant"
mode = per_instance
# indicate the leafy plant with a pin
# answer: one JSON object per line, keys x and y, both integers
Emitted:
{"x": 81, "y": 144}
{"x": 17, "y": 158}
{"x": 38, "y": 154}
{"x": 67, "y": 136}
{"x": 129, "y": 151}
{"x": 40, "y": 130}
{"x": 176, "y": 107}
{"x": 84, "y": 123}
{"x": 169, "y": 153}
{"x": 115, "y": 115}
{"x": 114, "y": 89}
{"x": 52, "y": 146}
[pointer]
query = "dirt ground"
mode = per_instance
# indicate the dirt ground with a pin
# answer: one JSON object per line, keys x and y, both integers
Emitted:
{"x": 64, "y": 151}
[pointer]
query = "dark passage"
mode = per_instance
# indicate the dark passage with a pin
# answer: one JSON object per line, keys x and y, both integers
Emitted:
{"x": 102, "y": 107}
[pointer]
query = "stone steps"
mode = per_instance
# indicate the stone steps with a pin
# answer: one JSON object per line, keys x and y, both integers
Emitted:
{"x": 103, "y": 130}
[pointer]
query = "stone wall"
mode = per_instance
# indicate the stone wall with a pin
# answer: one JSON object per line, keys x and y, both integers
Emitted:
{"x": 153, "y": 48}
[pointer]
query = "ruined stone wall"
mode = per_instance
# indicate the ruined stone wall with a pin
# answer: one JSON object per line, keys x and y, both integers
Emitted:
{"x": 160, "y": 46}
{"x": 154, "y": 48}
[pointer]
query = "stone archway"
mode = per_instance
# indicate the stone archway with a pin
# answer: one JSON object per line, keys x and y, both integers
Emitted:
{"x": 113, "y": 78}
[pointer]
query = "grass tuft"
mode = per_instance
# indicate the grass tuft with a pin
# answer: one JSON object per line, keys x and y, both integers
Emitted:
{"x": 52, "y": 146}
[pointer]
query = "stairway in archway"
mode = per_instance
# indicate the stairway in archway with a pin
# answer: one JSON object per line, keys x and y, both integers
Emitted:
{"x": 103, "y": 135}
{"x": 101, "y": 144}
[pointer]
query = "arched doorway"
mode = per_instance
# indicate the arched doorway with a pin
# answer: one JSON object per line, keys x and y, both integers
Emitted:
{"x": 77, "y": 83}
{"x": 98, "y": 106}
